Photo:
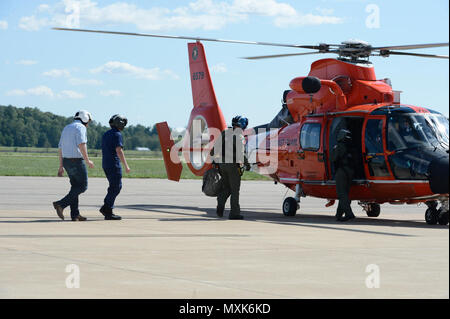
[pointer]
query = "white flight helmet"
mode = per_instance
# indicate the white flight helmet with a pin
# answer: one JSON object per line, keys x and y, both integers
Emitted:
{"x": 84, "y": 116}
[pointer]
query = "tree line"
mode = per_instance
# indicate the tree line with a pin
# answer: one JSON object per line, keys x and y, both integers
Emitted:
{"x": 30, "y": 127}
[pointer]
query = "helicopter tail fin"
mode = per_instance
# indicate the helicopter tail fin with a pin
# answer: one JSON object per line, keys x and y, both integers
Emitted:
{"x": 206, "y": 115}
{"x": 173, "y": 169}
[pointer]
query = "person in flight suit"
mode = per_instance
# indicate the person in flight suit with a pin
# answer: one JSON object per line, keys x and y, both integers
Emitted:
{"x": 342, "y": 158}
{"x": 112, "y": 151}
{"x": 229, "y": 155}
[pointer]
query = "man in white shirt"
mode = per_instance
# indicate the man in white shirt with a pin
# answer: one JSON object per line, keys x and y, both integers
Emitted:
{"x": 72, "y": 157}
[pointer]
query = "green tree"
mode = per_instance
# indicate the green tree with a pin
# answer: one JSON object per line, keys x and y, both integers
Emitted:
{"x": 30, "y": 127}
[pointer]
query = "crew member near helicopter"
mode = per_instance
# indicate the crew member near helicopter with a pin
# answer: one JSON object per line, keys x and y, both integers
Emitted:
{"x": 342, "y": 158}
{"x": 73, "y": 157}
{"x": 112, "y": 152}
{"x": 229, "y": 154}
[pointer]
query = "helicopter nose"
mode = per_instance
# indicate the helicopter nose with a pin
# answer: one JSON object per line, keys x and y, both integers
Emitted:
{"x": 438, "y": 175}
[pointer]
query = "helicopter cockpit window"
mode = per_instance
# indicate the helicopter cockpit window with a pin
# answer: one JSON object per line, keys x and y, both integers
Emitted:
{"x": 416, "y": 139}
{"x": 310, "y": 136}
{"x": 440, "y": 126}
{"x": 407, "y": 131}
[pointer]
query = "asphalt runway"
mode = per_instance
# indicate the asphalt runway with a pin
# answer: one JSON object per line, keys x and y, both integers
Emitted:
{"x": 170, "y": 244}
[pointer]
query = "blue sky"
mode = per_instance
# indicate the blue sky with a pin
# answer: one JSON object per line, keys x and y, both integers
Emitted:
{"x": 147, "y": 79}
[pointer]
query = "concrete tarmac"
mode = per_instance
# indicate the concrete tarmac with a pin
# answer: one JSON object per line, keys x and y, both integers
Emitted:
{"x": 170, "y": 244}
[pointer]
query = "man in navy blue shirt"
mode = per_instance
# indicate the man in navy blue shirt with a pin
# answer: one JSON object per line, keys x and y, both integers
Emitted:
{"x": 112, "y": 151}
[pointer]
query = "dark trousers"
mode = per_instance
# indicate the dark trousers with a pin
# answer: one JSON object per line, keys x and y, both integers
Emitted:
{"x": 78, "y": 175}
{"x": 231, "y": 179}
{"x": 114, "y": 176}
{"x": 343, "y": 179}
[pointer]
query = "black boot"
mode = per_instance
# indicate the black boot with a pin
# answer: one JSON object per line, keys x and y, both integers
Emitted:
{"x": 105, "y": 210}
{"x": 339, "y": 214}
{"x": 347, "y": 217}
{"x": 219, "y": 211}
{"x": 108, "y": 213}
{"x": 112, "y": 217}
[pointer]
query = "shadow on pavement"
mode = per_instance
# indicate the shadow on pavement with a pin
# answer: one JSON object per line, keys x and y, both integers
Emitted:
{"x": 303, "y": 220}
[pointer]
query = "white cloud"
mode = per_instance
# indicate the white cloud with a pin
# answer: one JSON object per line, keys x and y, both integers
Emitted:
{"x": 111, "y": 93}
{"x": 76, "y": 81}
{"x": 44, "y": 7}
{"x": 43, "y": 90}
{"x": 71, "y": 95}
{"x": 307, "y": 19}
{"x": 219, "y": 68}
{"x": 115, "y": 67}
{"x": 36, "y": 91}
{"x": 57, "y": 73}
{"x": 16, "y": 92}
{"x": 32, "y": 23}
{"x": 264, "y": 7}
{"x": 199, "y": 14}
{"x": 26, "y": 62}
{"x": 3, "y": 25}
{"x": 325, "y": 11}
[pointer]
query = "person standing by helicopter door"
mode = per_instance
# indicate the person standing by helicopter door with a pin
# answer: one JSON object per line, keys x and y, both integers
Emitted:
{"x": 342, "y": 158}
{"x": 229, "y": 154}
{"x": 112, "y": 152}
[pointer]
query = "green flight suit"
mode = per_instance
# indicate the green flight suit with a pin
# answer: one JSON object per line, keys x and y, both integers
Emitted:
{"x": 231, "y": 179}
{"x": 229, "y": 154}
{"x": 342, "y": 158}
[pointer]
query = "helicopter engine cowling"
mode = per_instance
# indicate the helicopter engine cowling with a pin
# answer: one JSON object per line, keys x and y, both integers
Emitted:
{"x": 311, "y": 93}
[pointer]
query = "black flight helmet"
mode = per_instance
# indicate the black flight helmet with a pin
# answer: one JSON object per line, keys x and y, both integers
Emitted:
{"x": 239, "y": 121}
{"x": 118, "y": 121}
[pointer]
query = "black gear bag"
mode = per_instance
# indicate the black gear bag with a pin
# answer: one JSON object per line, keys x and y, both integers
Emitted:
{"x": 212, "y": 182}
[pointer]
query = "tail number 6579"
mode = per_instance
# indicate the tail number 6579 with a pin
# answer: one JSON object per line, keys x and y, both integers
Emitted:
{"x": 198, "y": 76}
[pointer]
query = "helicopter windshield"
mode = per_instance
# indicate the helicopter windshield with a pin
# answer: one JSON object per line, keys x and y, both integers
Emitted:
{"x": 412, "y": 130}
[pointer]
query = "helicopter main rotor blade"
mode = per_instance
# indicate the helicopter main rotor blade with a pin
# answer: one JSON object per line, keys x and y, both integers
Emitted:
{"x": 312, "y": 47}
{"x": 345, "y": 50}
{"x": 411, "y": 47}
{"x": 280, "y": 55}
{"x": 422, "y": 55}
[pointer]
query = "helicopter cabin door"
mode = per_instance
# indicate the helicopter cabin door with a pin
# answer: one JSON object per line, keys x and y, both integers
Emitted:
{"x": 374, "y": 146}
{"x": 311, "y": 156}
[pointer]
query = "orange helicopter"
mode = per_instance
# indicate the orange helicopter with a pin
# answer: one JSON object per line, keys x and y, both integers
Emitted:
{"x": 403, "y": 149}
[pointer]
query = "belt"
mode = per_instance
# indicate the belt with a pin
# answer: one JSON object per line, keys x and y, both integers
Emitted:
{"x": 75, "y": 159}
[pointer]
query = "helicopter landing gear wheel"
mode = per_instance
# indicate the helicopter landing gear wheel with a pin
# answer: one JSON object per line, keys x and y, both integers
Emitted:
{"x": 373, "y": 210}
{"x": 431, "y": 214}
{"x": 290, "y": 206}
{"x": 442, "y": 217}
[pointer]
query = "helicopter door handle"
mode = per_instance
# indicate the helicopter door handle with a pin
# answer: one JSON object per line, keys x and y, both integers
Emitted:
{"x": 368, "y": 158}
{"x": 320, "y": 157}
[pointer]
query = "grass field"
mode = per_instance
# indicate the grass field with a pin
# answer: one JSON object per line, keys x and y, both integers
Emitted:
{"x": 44, "y": 162}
